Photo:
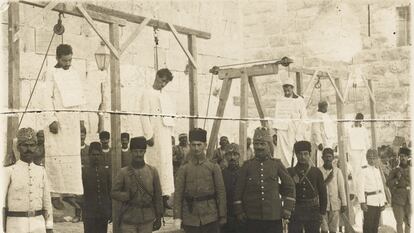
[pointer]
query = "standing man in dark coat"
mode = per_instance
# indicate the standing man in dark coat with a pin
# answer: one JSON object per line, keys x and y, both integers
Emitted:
{"x": 125, "y": 152}
{"x": 40, "y": 158}
{"x": 200, "y": 196}
{"x": 97, "y": 186}
{"x": 104, "y": 138}
{"x": 138, "y": 187}
{"x": 399, "y": 182}
{"x": 257, "y": 198}
{"x": 311, "y": 193}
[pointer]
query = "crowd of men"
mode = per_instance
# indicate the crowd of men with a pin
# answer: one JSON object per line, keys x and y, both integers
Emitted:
{"x": 289, "y": 182}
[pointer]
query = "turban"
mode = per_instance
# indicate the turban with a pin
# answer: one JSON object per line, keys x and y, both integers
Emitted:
{"x": 302, "y": 146}
{"x": 26, "y": 135}
{"x": 104, "y": 135}
{"x": 288, "y": 82}
{"x": 404, "y": 150}
{"x": 125, "y": 135}
{"x": 198, "y": 134}
{"x": 182, "y": 135}
{"x": 95, "y": 146}
{"x": 327, "y": 151}
{"x": 233, "y": 147}
{"x": 138, "y": 143}
{"x": 262, "y": 133}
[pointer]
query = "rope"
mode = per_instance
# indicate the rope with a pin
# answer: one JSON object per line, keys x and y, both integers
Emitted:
{"x": 156, "y": 40}
{"x": 208, "y": 102}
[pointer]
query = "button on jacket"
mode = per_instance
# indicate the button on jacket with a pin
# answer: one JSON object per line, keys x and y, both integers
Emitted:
{"x": 199, "y": 178}
{"x": 258, "y": 189}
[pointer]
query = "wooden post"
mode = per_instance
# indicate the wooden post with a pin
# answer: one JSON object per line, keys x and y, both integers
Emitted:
{"x": 257, "y": 101}
{"x": 373, "y": 116}
{"x": 224, "y": 95}
{"x": 244, "y": 105}
{"x": 14, "y": 76}
{"x": 299, "y": 83}
{"x": 115, "y": 119}
{"x": 192, "y": 81}
{"x": 341, "y": 146}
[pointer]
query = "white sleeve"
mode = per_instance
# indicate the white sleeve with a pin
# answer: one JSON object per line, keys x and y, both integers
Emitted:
{"x": 146, "y": 120}
{"x": 361, "y": 187}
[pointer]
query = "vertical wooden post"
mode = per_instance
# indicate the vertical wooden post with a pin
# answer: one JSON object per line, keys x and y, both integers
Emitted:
{"x": 193, "y": 89}
{"x": 258, "y": 102}
{"x": 341, "y": 145}
{"x": 373, "y": 116}
{"x": 14, "y": 76}
{"x": 244, "y": 105}
{"x": 299, "y": 83}
{"x": 115, "y": 119}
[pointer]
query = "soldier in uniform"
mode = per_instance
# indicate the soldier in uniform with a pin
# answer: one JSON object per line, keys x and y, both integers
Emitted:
{"x": 399, "y": 183}
{"x": 371, "y": 193}
{"x": 40, "y": 158}
{"x": 257, "y": 198}
{"x": 97, "y": 186}
{"x": 200, "y": 197}
{"x": 125, "y": 152}
{"x": 180, "y": 152}
{"x": 28, "y": 206}
{"x": 138, "y": 187}
{"x": 104, "y": 138}
{"x": 218, "y": 155}
{"x": 311, "y": 194}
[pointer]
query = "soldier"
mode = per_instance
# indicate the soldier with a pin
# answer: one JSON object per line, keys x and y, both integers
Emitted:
{"x": 257, "y": 197}
{"x": 28, "y": 205}
{"x": 104, "y": 138}
{"x": 399, "y": 183}
{"x": 200, "y": 197}
{"x": 138, "y": 187}
{"x": 180, "y": 152}
{"x": 97, "y": 186}
{"x": 40, "y": 158}
{"x": 218, "y": 156}
{"x": 371, "y": 193}
{"x": 230, "y": 175}
{"x": 125, "y": 152}
{"x": 249, "y": 151}
{"x": 311, "y": 195}
{"x": 336, "y": 192}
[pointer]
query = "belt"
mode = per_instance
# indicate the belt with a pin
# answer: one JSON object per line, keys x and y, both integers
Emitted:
{"x": 32, "y": 213}
{"x": 373, "y": 192}
{"x": 201, "y": 198}
{"x": 408, "y": 188}
{"x": 308, "y": 202}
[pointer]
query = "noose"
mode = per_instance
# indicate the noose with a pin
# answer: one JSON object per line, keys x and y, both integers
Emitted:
{"x": 156, "y": 40}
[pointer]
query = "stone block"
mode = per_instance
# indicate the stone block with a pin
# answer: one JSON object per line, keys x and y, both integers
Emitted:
{"x": 29, "y": 65}
{"x": 308, "y": 12}
{"x": 294, "y": 38}
{"x": 365, "y": 57}
{"x": 255, "y": 42}
{"x": 28, "y": 40}
{"x": 399, "y": 66}
{"x": 278, "y": 41}
{"x": 295, "y": 5}
{"x": 311, "y": 62}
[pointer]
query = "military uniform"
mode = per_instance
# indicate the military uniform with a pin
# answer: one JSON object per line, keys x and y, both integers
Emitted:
{"x": 218, "y": 157}
{"x": 230, "y": 177}
{"x": 257, "y": 194}
{"x": 97, "y": 205}
{"x": 125, "y": 157}
{"x": 180, "y": 154}
{"x": 311, "y": 199}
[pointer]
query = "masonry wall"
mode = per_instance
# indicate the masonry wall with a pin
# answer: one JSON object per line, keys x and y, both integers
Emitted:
{"x": 333, "y": 36}
{"x": 137, "y": 63}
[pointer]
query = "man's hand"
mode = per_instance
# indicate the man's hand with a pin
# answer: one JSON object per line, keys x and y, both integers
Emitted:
{"x": 157, "y": 224}
{"x": 286, "y": 214}
{"x": 177, "y": 223}
{"x": 222, "y": 221}
{"x": 364, "y": 207}
{"x": 241, "y": 217}
{"x": 49, "y": 230}
{"x": 343, "y": 209}
{"x": 54, "y": 127}
{"x": 320, "y": 147}
{"x": 150, "y": 142}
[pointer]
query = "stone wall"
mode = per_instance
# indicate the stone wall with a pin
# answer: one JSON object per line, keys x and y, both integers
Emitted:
{"x": 333, "y": 36}
{"x": 137, "y": 63}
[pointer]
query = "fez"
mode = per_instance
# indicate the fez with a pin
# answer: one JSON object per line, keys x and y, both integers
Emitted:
{"x": 104, "y": 135}
{"x": 182, "y": 135}
{"x": 302, "y": 146}
{"x": 233, "y": 147}
{"x": 262, "y": 133}
{"x": 125, "y": 135}
{"x": 405, "y": 151}
{"x": 198, "y": 134}
{"x": 138, "y": 143}
{"x": 327, "y": 151}
{"x": 288, "y": 82}
{"x": 26, "y": 135}
{"x": 95, "y": 146}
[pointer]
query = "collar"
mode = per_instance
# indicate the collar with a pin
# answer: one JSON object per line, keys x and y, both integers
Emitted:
{"x": 198, "y": 161}
{"x": 106, "y": 150}
{"x": 125, "y": 150}
{"x": 22, "y": 163}
{"x": 262, "y": 160}
{"x": 83, "y": 146}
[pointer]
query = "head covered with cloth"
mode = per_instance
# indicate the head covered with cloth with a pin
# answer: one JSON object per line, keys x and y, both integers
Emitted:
{"x": 262, "y": 143}
{"x": 27, "y": 144}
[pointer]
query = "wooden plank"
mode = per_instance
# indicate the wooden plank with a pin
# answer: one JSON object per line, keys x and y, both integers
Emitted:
{"x": 348, "y": 85}
{"x": 321, "y": 74}
{"x": 257, "y": 101}
{"x": 338, "y": 93}
{"x": 299, "y": 83}
{"x": 88, "y": 18}
{"x": 369, "y": 88}
{"x": 224, "y": 95}
{"x": 193, "y": 83}
{"x": 72, "y": 10}
{"x": 372, "y": 107}
{"x": 341, "y": 147}
{"x": 153, "y": 22}
{"x": 115, "y": 118}
{"x": 13, "y": 75}
{"x": 244, "y": 106}
{"x": 134, "y": 35}
{"x": 256, "y": 70}
{"x": 185, "y": 50}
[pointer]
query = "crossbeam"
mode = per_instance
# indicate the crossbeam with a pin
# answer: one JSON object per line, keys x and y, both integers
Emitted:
{"x": 256, "y": 70}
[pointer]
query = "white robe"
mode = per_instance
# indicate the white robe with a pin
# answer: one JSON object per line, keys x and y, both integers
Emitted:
{"x": 161, "y": 129}
{"x": 63, "y": 90}
{"x": 323, "y": 132}
{"x": 357, "y": 146}
{"x": 289, "y": 130}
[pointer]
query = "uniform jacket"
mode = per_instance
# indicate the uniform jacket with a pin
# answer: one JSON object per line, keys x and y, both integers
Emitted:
{"x": 335, "y": 189}
{"x": 230, "y": 177}
{"x": 400, "y": 187}
{"x": 27, "y": 189}
{"x": 199, "y": 178}
{"x": 311, "y": 187}
{"x": 97, "y": 186}
{"x": 370, "y": 181}
{"x": 218, "y": 157}
{"x": 141, "y": 206}
{"x": 84, "y": 154}
{"x": 257, "y": 190}
{"x": 125, "y": 157}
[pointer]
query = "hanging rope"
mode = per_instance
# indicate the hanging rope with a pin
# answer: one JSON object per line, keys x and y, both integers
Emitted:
{"x": 156, "y": 40}
{"x": 317, "y": 85}
{"x": 208, "y": 102}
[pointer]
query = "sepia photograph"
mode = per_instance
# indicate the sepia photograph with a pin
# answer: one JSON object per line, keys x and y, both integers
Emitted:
{"x": 205, "y": 116}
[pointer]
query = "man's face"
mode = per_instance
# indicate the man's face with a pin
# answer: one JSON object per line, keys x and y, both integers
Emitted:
{"x": 224, "y": 141}
{"x": 261, "y": 148}
{"x": 303, "y": 157}
{"x": 137, "y": 155}
{"x": 65, "y": 61}
{"x": 232, "y": 158}
{"x": 27, "y": 150}
{"x": 324, "y": 108}
{"x": 40, "y": 137}
{"x": 160, "y": 82}
{"x": 197, "y": 147}
{"x": 371, "y": 159}
{"x": 105, "y": 142}
{"x": 403, "y": 159}
{"x": 288, "y": 90}
{"x": 183, "y": 140}
{"x": 249, "y": 142}
{"x": 96, "y": 153}
{"x": 83, "y": 136}
{"x": 328, "y": 159}
{"x": 124, "y": 142}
